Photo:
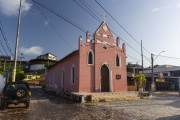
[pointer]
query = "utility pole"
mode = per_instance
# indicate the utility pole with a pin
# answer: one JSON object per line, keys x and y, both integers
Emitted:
{"x": 17, "y": 40}
{"x": 153, "y": 87}
{"x": 152, "y": 73}
{"x": 142, "y": 58}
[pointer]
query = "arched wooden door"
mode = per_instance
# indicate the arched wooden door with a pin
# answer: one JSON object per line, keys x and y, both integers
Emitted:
{"x": 105, "y": 79}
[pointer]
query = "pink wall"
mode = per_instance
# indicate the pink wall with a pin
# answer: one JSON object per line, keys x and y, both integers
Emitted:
{"x": 86, "y": 73}
{"x": 65, "y": 64}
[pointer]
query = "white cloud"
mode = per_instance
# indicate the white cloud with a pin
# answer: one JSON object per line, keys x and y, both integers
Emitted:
{"x": 155, "y": 9}
{"x": 34, "y": 50}
{"x": 11, "y": 7}
{"x": 178, "y": 4}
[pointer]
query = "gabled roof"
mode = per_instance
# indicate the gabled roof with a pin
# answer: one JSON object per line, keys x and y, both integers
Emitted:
{"x": 104, "y": 29}
{"x": 67, "y": 56}
{"x": 103, "y": 33}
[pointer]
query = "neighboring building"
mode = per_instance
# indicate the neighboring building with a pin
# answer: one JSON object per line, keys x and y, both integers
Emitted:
{"x": 4, "y": 60}
{"x": 99, "y": 65}
{"x": 165, "y": 70}
{"x": 132, "y": 69}
{"x": 47, "y": 56}
{"x": 40, "y": 62}
{"x": 166, "y": 77}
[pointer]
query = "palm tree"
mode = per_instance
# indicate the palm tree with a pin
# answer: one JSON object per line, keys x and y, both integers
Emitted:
{"x": 140, "y": 81}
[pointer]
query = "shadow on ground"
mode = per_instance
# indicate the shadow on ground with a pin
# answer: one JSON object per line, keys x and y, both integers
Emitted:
{"x": 176, "y": 117}
{"x": 39, "y": 94}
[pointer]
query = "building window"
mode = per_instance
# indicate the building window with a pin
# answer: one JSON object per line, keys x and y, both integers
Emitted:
{"x": 90, "y": 58}
{"x": 72, "y": 74}
{"x": 117, "y": 61}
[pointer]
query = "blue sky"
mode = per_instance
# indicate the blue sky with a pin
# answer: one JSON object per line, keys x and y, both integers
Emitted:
{"x": 155, "y": 22}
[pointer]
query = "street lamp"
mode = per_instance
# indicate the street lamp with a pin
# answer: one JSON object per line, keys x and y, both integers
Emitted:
{"x": 152, "y": 72}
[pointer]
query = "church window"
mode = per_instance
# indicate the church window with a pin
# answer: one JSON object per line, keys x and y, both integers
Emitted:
{"x": 72, "y": 74}
{"x": 117, "y": 61}
{"x": 90, "y": 58}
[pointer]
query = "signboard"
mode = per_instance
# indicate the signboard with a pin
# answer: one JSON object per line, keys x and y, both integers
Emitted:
{"x": 118, "y": 77}
{"x": 160, "y": 80}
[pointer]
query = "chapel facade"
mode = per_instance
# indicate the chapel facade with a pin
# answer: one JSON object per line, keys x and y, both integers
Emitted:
{"x": 99, "y": 65}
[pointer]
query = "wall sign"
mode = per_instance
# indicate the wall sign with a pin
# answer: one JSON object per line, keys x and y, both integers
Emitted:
{"x": 118, "y": 77}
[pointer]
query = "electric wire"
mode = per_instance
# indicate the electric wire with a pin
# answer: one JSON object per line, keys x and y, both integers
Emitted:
{"x": 90, "y": 13}
{"x": 53, "y": 27}
{"x": 86, "y": 6}
{"x": 46, "y": 7}
{"x": 3, "y": 47}
{"x": 120, "y": 24}
{"x": 110, "y": 25}
{"x": 1, "y": 52}
{"x": 57, "y": 14}
{"x": 169, "y": 57}
{"x": 5, "y": 38}
{"x": 132, "y": 57}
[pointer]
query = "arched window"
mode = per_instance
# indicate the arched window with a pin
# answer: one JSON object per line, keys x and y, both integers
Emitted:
{"x": 117, "y": 61}
{"x": 90, "y": 58}
{"x": 72, "y": 74}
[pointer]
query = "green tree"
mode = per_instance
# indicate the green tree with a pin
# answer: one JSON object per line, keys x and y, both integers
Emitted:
{"x": 140, "y": 81}
{"x": 9, "y": 66}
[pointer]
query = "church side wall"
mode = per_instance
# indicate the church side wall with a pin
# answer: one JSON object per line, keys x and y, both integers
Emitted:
{"x": 54, "y": 75}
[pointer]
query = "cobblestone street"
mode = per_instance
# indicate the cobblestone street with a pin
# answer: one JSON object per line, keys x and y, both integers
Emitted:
{"x": 160, "y": 106}
{"x": 47, "y": 106}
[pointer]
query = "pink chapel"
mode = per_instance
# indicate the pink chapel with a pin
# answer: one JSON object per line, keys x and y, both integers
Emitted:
{"x": 99, "y": 65}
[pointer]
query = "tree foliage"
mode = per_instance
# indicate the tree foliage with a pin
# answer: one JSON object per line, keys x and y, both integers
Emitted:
{"x": 9, "y": 67}
{"x": 140, "y": 80}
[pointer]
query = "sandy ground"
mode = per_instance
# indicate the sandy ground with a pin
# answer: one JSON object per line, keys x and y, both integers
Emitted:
{"x": 161, "y": 106}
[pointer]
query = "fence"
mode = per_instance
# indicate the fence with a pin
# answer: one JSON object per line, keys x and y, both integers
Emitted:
{"x": 167, "y": 84}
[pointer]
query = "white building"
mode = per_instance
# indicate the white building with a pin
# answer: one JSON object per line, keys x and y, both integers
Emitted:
{"x": 165, "y": 70}
{"x": 41, "y": 61}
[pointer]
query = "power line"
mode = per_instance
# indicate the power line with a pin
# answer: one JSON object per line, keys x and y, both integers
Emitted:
{"x": 111, "y": 25}
{"x": 93, "y": 14}
{"x": 119, "y": 24}
{"x": 169, "y": 57}
{"x": 132, "y": 57}
{"x": 73, "y": 23}
{"x": 52, "y": 26}
{"x": 57, "y": 14}
{"x": 3, "y": 47}
{"x": 97, "y": 18}
{"x": 100, "y": 20}
{"x": 1, "y": 52}
{"x": 5, "y": 38}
